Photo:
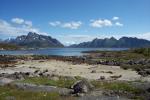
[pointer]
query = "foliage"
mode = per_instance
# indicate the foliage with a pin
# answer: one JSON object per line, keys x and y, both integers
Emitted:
{"x": 117, "y": 86}
{"x": 61, "y": 82}
{"x": 11, "y": 93}
{"x": 144, "y": 51}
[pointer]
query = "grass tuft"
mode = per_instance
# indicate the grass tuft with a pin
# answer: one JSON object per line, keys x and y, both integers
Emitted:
{"x": 12, "y": 93}
{"x": 117, "y": 86}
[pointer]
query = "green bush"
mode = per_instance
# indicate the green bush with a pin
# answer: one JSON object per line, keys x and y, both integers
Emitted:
{"x": 144, "y": 51}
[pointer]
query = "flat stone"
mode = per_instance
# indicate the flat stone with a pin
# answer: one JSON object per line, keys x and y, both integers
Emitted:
{"x": 4, "y": 81}
{"x": 43, "y": 88}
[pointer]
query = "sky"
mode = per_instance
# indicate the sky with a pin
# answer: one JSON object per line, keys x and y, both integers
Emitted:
{"x": 75, "y": 21}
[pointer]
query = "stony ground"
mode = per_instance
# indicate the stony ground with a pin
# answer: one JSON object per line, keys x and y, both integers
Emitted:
{"x": 69, "y": 69}
{"x": 63, "y": 79}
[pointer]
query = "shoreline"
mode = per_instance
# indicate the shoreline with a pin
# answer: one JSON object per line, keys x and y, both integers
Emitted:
{"x": 68, "y": 66}
{"x": 63, "y": 68}
{"x": 40, "y": 72}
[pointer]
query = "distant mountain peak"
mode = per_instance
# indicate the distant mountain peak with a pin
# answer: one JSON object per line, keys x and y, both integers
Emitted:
{"x": 112, "y": 38}
{"x": 34, "y": 40}
{"x": 32, "y": 34}
{"x": 123, "y": 42}
{"x": 95, "y": 39}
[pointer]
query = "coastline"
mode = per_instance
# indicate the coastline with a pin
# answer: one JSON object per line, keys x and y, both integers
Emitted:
{"x": 34, "y": 71}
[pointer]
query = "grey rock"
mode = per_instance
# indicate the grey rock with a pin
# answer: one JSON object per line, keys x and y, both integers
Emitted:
{"x": 116, "y": 77}
{"x": 143, "y": 86}
{"x": 93, "y": 71}
{"x": 46, "y": 74}
{"x": 143, "y": 73}
{"x": 82, "y": 86}
{"x": 36, "y": 71}
{"x": 102, "y": 78}
{"x": 46, "y": 70}
{"x": 16, "y": 76}
{"x": 43, "y": 88}
{"x": 147, "y": 71}
{"x": 4, "y": 81}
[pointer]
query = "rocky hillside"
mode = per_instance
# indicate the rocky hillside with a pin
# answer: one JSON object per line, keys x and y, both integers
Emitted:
{"x": 124, "y": 42}
{"x": 34, "y": 40}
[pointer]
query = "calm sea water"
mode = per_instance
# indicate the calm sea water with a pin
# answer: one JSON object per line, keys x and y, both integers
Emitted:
{"x": 56, "y": 51}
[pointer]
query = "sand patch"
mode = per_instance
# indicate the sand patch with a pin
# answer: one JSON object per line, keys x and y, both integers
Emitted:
{"x": 83, "y": 70}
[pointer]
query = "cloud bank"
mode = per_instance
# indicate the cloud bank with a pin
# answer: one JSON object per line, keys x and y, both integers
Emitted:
{"x": 99, "y": 23}
{"x": 17, "y": 27}
{"x": 115, "y": 18}
{"x": 69, "y": 25}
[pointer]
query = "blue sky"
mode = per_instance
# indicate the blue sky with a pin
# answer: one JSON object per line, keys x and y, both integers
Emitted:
{"x": 75, "y": 21}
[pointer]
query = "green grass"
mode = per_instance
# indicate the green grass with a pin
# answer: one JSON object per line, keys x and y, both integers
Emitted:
{"x": 12, "y": 92}
{"x": 123, "y": 57}
{"x": 65, "y": 83}
{"x": 119, "y": 56}
{"x": 62, "y": 82}
{"x": 134, "y": 51}
{"x": 144, "y": 51}
{"x": 117, "y": 86}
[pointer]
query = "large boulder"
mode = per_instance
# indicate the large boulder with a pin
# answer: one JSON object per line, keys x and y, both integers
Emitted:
{"x": 82, "y": 86}
{"x": 43, "y": 88}
{"x": 144, "y": 72}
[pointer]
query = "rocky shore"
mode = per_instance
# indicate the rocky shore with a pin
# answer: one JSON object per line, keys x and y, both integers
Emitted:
{"x": 95, "y": 76}
{"x": 140, "y": 64}
{"x": 80, "y": 88}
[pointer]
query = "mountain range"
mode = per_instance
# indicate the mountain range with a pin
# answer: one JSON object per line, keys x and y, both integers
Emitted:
{"x": 124, "y": 42}
{"x": 34, "y": 40}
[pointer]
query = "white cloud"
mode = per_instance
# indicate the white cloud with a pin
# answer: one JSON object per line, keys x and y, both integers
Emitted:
{"x": 101, "y": 23}
{"x": 56, "y": 23}
{"x": 70, "y": 25}
{"x": 118, "y": 24}
{"x": 8, "y": 29}
{"x": 28, "y": 23}
{"x": 18, "y": 20}
{"x": 115, "y": 18}
{"x": 144, "y": 35}
{"x": 21, "y": 21}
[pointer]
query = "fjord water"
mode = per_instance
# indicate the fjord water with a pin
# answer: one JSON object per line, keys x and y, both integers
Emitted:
{"x": 56, "y": 51}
